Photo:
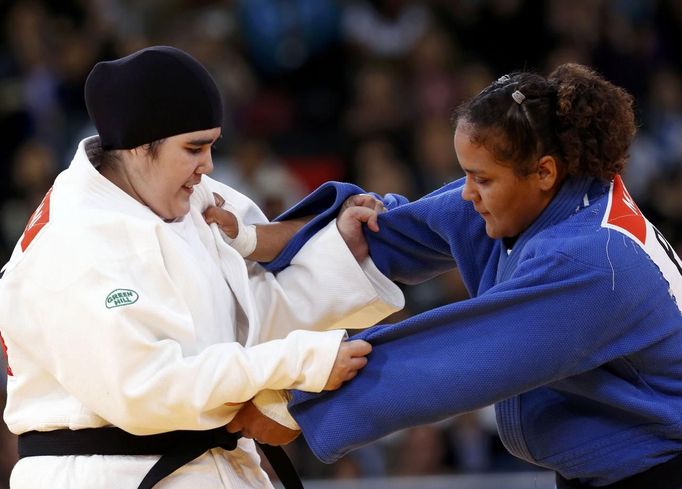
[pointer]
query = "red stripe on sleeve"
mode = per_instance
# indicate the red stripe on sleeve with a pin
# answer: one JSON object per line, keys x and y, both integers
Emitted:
{"x": 39, "y": 218}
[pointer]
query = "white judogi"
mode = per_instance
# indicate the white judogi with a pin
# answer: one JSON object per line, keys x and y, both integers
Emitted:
{"x": 112, "y": 316}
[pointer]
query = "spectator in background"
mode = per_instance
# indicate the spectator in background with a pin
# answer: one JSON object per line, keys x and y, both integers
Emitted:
{"x": 385, "y": 28}
{"x": 33, "y": 171}
{"x": 434, "y": 81}
{"x": 436, "y": 163}
{"x": 471, "y": 437}
{"x": 421, "y": 451}
{"x": 379, "y": 103}
{"x": 378, "y": 168}
{"x": 252, "y": 167}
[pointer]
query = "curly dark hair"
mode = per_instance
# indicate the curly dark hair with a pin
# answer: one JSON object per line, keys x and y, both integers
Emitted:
{"x": 574, "y": 114}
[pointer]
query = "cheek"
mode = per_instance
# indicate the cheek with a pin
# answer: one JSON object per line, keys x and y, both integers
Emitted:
{"x": 501, "y": 206}
{"x": 177, "y": 174}
{"x": 493, "y": 200}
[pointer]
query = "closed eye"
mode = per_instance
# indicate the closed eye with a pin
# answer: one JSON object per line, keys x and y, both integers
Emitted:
{"x": 195, "y": 150}
{"x": 476, "y": 176}
{"x": 196, "y": 146}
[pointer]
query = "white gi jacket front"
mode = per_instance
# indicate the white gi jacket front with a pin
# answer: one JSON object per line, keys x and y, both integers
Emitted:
{"x": 112, "y": 316}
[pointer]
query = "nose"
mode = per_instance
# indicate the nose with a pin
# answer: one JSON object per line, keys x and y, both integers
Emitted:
{"x": 206, "y": 166}
{"x": 469, "y": 191}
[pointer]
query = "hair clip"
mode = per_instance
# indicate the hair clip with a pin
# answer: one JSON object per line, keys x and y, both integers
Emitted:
{"x": 518, "y": 97}
{"x": 503, "y": 78}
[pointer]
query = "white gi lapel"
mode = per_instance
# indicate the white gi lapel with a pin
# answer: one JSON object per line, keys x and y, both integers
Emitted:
{"x": 231, "y": 263}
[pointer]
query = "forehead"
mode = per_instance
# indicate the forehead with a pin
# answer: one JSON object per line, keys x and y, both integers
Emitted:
{"x": 198, "y": 138}
{"x": 469, "y": 151}
{"x": 488, "y": 137}
{"x": 475, "y": 158}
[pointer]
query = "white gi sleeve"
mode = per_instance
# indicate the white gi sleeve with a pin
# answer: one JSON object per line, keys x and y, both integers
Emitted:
{"x": 323, "y": 288}
{"x": 132, "y": 365}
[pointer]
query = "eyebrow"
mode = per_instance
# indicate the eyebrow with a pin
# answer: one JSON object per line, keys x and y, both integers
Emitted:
{"x": 201, "y": 142}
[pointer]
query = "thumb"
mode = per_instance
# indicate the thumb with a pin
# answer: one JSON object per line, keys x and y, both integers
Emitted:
{"x": 212, "y": 213}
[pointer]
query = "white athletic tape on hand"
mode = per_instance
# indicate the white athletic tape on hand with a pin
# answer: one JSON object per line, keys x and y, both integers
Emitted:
{"x": 246, "y": 240}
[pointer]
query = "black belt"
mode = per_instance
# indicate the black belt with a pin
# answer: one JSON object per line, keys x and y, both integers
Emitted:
{"x": 176, "y": 448}
{"x": 667, "y": 475}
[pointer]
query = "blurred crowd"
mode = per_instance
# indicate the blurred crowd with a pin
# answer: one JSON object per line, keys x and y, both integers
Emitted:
{"x": 356, "y": 90}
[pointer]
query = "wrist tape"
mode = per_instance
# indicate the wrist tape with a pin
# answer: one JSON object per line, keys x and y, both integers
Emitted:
{"x": 246, "y": 240}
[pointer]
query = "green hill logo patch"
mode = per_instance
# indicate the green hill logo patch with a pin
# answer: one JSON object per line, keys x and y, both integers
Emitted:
{"x": 121, "y": 297}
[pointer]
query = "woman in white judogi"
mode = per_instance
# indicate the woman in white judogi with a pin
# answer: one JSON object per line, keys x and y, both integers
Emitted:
{"x": 120, "y": 307}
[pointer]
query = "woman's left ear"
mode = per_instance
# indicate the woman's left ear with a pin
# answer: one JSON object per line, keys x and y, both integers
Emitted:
{"x": 548, "y": 172}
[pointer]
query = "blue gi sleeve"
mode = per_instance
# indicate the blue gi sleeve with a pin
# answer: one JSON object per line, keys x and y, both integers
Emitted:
{"x": 556, "y": 317}
{"x": 415, "y": 241}
{"x": 324, "y": 203}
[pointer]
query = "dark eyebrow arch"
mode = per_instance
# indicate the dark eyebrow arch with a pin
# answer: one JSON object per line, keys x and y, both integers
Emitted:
{"x": 200, "y": 142}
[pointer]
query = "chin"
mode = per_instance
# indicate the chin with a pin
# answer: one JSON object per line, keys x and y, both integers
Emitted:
{"x": 179, "y": 215}
{"x": 180, "y": 211}
{"x": 173, "y": 214}
{"x": 493, "y": 233}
